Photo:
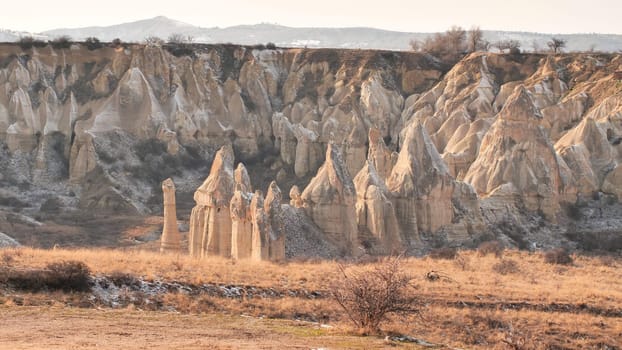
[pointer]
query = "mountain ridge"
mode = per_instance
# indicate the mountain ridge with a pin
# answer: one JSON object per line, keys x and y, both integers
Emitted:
{"x": 315, "y": 37}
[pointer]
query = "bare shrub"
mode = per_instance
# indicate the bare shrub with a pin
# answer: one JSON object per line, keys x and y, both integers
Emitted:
{"x": 491, "y": 247}
{"x": 92, "y": 43}
{"x": 506, "y": 267}
{"x": 369, "y": 296}
{"x": 449, "y": 47}
{"x": 69, "y": 276}
{"x": 62, "y": 42}
{"x": 446, "y": 253}
{"x": 154, "y": 41}
{"x": 556, "y": 45}
{"x": 607, "y": 260}
{"x": 65, "y": 275}
{"x": 28, "y": 42}
{"x": 559, "y": 256}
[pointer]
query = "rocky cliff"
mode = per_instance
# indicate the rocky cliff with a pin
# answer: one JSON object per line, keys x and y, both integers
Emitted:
{"x": 388, "y": 150}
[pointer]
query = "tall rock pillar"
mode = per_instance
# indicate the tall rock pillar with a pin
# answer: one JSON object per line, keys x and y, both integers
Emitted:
{"x": 171, "y": 239}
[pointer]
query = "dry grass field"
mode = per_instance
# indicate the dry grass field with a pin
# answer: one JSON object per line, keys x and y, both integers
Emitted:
{"x": 516, "y": 301}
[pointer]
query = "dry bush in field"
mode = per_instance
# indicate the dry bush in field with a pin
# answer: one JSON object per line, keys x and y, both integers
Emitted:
{"x": 506, "y": 267}
{"x": 65, "y": 275}
{"x": 369, "y": 296}
{"x": 446, "y": 253}
{"x": 491, "y": 247}
{"x": 559, "y": 256}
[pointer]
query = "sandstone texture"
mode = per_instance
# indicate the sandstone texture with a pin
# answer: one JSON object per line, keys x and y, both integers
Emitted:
{"x": 374, "y": 151}
{"x": 171, "y": 238}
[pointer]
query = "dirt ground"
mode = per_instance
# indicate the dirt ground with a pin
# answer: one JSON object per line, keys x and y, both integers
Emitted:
{"x": 75, "y": 328}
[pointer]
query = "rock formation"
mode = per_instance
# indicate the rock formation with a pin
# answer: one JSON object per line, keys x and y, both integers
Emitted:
{"x": 422, "y": 186}
{"x": 274, "y": 212}
{"x": 171, "y": 238}
{"x": 516, "y": 151}
{"x": 377, "y": 222}
{"x": 210, "y": 221}
{"x": 102, "y": 128}
{"x": 330, "y": 198}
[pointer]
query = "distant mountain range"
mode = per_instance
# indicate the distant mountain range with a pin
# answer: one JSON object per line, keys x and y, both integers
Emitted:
{"x": 364, "y": 38}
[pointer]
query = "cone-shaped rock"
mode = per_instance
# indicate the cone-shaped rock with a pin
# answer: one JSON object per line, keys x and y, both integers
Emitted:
{"x": 379, "y": 154}
{"x": 421, "y": 185}
{"x": 241, "y": 225}
{"x": 210, "y": 221}
{"x": 374, "y": 210}
{"x": 330, "y": 197}
{"x": 260, "y": 249}
{"x": 272, "y": 207}
{"x": 517, "y": 151}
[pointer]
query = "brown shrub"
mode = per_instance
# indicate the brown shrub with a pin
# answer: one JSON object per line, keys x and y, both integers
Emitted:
{"x": 491, "y": 247}
{"x": 69, "y": 276}
{"x": 369, "y": 296}
{"x": 446, "y": 253}
{"x": 505, "y": 267}
{"x": 65, "y": 275}
{"x": 559, "y": 256}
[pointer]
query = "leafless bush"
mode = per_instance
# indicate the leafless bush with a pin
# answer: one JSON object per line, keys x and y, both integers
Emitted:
{"x": 556, "y": 45}
{"x": 506, "y": 267}
{"x": 491, "y": 247}
{"x": 446, "y": 253}
{"x": 369, "y": 296}
{"x": 65, "y": 275}
{"x": 62, "y": 42}
{"x": 449, "y": 47}
{"x": 92, "y": 43}
{"x": 154, "y": 41}
{"x": 69, "y": 276}
{"x": 27, "y": 42}
{"x": 559, "y": 256}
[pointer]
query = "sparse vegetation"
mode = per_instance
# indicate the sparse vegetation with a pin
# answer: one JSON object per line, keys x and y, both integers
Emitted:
{"x": 153, "y": 41}
{"x": 28, "y": 42}
{"x": 491, "y": 247}
{"x": 461, "y": 304}
{"x": 556, "y": 45}
{"x": 62, "y": 42}
{"x": 446, "y": 253}
{"x": 559, "y": 256}
{"x": 505, "y": 267}
{"x": 93, "y": 43}
{"x": 448, "y": 47}
{"x": 369, "y": 296}
{"x": 66, "y": 275}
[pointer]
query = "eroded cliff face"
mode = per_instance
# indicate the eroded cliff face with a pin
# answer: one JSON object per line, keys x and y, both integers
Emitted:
{"x": 431, "y": 152}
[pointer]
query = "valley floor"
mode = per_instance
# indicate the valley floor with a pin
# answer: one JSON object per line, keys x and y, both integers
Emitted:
{"x": 141, "y": 299}
{"x": 75, "y": 328}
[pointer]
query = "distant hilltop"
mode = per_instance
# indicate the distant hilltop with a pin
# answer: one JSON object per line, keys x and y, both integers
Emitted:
{"x": 363, "y": 38}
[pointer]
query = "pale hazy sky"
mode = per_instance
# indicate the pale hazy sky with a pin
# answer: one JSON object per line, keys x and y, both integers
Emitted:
{"x": 550, "y": 16}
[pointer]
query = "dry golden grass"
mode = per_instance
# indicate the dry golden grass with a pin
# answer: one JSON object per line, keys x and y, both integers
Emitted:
{"x": 469, "y": 308}
{"x": 589, "y": 280}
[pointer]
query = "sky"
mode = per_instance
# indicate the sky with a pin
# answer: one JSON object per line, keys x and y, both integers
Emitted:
{"x": 546, "y": 16}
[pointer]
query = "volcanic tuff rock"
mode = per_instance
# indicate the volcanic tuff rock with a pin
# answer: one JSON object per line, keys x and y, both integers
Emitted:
{"x": 516, "y": 134}
{"x": 516, "y": 151}
{"x": 330, "y": 198}
{"x": 171, "y": 238}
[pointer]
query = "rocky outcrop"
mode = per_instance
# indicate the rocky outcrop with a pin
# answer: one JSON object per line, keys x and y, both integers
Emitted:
{"x": 375, "y": 214}
{"x": 275, "y": 214}
{"x": 330, "y": 198}
{"x": 516, "y": 151}
{"x": 170, "y": 242}
{"x": 421, "y": 185}
{"x": 210, "y": 221}
{"x": 105, "y": 127}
